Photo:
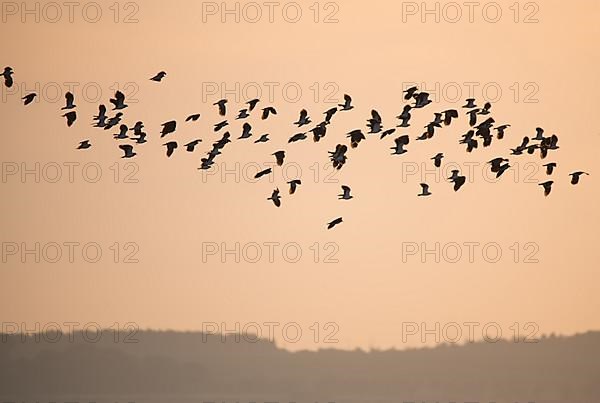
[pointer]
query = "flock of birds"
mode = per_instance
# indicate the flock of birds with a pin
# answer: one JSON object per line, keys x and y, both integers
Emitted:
{"x": 480, "y": 131}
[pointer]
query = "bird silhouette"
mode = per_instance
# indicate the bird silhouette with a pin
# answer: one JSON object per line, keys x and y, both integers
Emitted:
{"x": 220, "y": 125}
{"x": 400, "y": 143}
{"x": 345, "y": 193}
{"x": 263, "y": 173}
{"x": 550, "y": 167}
{"x": 71, "y": 118}
{"x": 69, "y": 99}
{"x": 252, "y": 104}
{"x": 410, "y": 93}
{"x": 449, "y": 115}
{"x": 294, "y": 185}
{"x": 470, "y": 104}
{"x": 242, "y": 114}
{"x": 457, "y": 179}
{"x": 84, "y": 145}
{"x": 268, "y": 111}
{"x": 127, "y": 151}
{"x": 171, "y": 147}
{"x": 222, "y": 106}
{"x": 424, "y": 190}
{"x": 334, "y": 223}
{"x": 437, "y": 160}
{"x": 246, "y": 131}
{"x": 27, "y": 99}
{"x": 7, "y": 74}
{"x": 123, "y": 129}
{"x": 168, "y": 128}
{"x": 118, "y": 101}
{"x": 189, "y": 147}
{"x": 347, "y": 105}
{"x": 263, "y": 139}
{"x": 297, "y": 137}
{"x": 547, "y": 187}
{"x": 405, "y": 116}
{"x": 193, "y": 118}
{"x": 159, "y": 76}
{"x": 355, "y": 136}
{"x": 501, "y": 131}
{"x": 279, "y": 157}
{"x": 304, "y": 119}
{"x": 338, "y": 157}
{"x": 319, "y": 131}
{"x": 101, "y": 117}
{"x": 575, "y": 177}
{"x": 275, "y": 198}
{"x": 329, "y": 114}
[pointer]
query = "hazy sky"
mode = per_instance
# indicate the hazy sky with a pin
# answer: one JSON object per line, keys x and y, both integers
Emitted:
{"x": 363, "y": 278}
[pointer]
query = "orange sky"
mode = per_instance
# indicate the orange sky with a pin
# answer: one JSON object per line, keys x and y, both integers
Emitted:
{"x": 546, "y": 70}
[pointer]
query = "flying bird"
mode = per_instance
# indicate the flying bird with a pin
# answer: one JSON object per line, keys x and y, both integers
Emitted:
{"x": 387, "y": 133}
{"x": 127, "y": 150}
{"x": 496, "y": 163}
{"x": 84, "y": 145}
{"x": 319, "y": 131}
{"x": 470, "y": 103}
{"x": 171, "y": 147}
{"x": 355, "y": 136}
{"x": 575, "y": 177}
{"x": 297, "y": 137}
{"x": 424, "y": 190}
{"x": 252, "y": 104}
{"x": 7, "y": 74}
{"x": 268, "y": 110}
{"x": 71, "y": 118}
{"x": 457, "y": 179}
{"x": 550, "y": 167}
{"x": 304, "y": 119}
{"x": 437, "y": 160}
{"x": 410, "y": 93}
{"x": 263, "y": 139}
{"x": 346, "y": 193}
{"x": 246, "y": 131}
{"x": 405, "y": 116}
{"x": 338, "y": 157}
{"x": 222, "y": 106}
{"x": 422, "y": 100}
{"x": 347, "y": 105}
{"x": 293, "y": 185}
{"x": 547, "y": 187}
{"x": 159, "y": 76}
{"x": 189, "y": 147}
{"x": 279, "y": 157}
{"x": 449, "y": 115}
{"x": 275, "y": 197}
{"x": 168, "y": 128}
{"x": 118, "y": 101}
{"x": 123, "y": 129}
{"x": 69, "y": 99}
{"x": 242, "y": 114}
{"x": 27, "y": 99}
{"x": 501, "y": 130}
{"x": 329, "y": 114}
{"x": 101, "y": 117}
{"x": 334, "y": 223}
{"x": 115, "y": 120}
{"x": 400, "y": 143}
{"x": 193, "y": 118}
{"x": 221, "y": 125}
{"x": 263, "y": 173}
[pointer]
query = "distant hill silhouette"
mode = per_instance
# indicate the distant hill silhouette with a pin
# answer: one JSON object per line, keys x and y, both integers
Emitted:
{"x": 171, "y": 366}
